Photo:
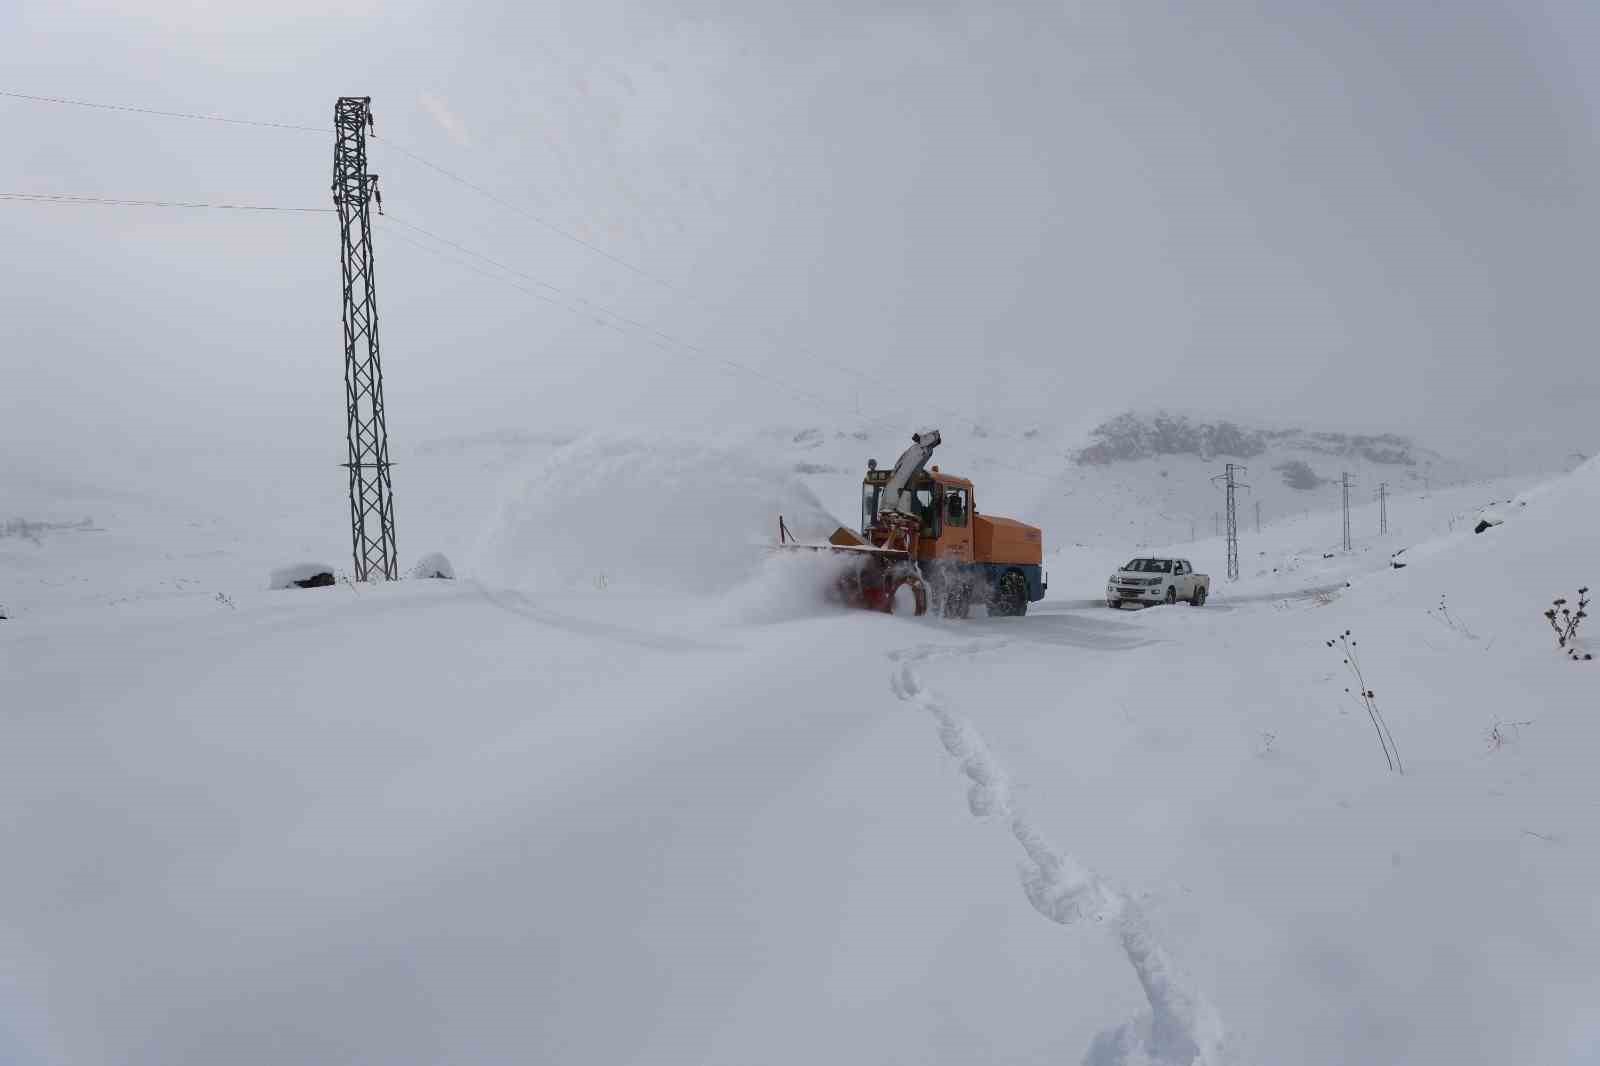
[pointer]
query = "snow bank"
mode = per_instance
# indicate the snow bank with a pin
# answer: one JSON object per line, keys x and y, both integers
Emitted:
{"x": 645, "y": 513}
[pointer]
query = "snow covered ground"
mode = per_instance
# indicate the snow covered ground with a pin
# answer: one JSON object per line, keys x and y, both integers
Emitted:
{"x": 627, "y": 791}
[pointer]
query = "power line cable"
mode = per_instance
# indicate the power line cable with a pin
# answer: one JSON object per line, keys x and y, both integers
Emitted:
{"x": 65, "y": 200}
{"x": 631, "y": 327}
{"x": 443, "y": 172}
{"x": 598, "y": 313}
{"x": 633, "y": 267}
{"x": 580, "y": 305}
{"x": 621, "y": 323}
{"x": 588, "y": 305}
{"x": 509, "y": 206}
{"x": 163, "y": 114}
{"x": 475, "y": 187}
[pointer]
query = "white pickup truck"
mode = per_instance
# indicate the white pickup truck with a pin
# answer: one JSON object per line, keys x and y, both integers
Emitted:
{"x": 1150, "y": 581}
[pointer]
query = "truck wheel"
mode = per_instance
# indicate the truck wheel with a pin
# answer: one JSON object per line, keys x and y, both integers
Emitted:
{"x": 907, "y": 596}
{"x": 1199, "y": 597}
{"x": 1115, "y": 605}
{"x": 1011, "y": 595}
{"x": 958, "y": 601}
{"x": 1172, "y": 594}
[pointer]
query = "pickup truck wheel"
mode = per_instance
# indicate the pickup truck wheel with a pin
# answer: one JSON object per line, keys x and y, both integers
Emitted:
{"x": 1199, "y": 598}
{"x": 1011, "y": 595}
{"x": 1114, "y": 604}
{"x": 1172, "y": 594}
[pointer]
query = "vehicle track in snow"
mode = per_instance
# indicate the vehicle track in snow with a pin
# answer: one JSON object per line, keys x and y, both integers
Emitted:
{"x": 1046, "y": 624}
{"x": 1179, "y": 1027}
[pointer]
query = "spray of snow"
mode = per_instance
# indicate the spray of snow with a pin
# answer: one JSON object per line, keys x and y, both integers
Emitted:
{"x": 649, "y": 513}
{"x": 1179, "y": 1028}
{"x": 787, "y": 585}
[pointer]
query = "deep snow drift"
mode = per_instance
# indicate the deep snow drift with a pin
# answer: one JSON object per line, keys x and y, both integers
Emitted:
{"x": 628, "y": 791}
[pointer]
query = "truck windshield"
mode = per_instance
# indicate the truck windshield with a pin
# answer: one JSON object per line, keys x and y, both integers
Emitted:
{"x": 923, "y": 502}
{"x": 1149, "y": 566}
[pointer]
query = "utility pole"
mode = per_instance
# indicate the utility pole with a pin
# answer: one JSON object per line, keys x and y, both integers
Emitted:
{"x": 1231, "y": 486}
{"x": 1383, "y": 507}
{"x": 1258, "y": 518}
{"x": 1345, "y": 482}
{"x": 366, "y": 431}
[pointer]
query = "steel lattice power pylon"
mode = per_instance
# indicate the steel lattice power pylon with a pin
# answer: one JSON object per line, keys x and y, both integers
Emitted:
{"x": 1346, "y": 482}
{"x": 1232, "y": 485}
{"x": 367, "y": 433}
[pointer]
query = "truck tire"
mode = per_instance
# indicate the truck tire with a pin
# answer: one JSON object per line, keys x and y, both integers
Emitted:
{"x": 1199, "y": 597}
{"x": 1011, "y": 595}
{"x": 908, "y": 595}
{"x": 1115, "y": 605}
{"x": 1172, "y": 594}
{"x": 958, "y": 601}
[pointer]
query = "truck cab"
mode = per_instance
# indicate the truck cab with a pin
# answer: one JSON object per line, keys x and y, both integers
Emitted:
{"x": 944, "y": 503}
{"x": 965, "y": 554}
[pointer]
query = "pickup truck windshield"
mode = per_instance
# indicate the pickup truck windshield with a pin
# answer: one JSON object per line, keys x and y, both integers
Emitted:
{"x": 1149, "y": 566}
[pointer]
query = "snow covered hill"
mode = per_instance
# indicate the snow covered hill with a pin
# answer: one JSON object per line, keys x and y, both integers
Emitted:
{"x": 1136, "y": 481}
{"x": 628, "y": 791}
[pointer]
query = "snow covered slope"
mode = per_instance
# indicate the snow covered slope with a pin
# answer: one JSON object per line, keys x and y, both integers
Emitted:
{"x": 1136, "y": 481}
{"x": 580, "y": 807}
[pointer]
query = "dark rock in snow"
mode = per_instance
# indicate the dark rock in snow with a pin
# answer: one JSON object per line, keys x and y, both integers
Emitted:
{"x": 301, "y": 576}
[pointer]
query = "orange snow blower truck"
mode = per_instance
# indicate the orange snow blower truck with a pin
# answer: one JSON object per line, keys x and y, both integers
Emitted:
{"x": 923, "y": 540}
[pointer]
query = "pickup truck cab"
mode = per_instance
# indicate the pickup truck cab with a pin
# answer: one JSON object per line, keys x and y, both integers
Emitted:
{"x": 1150, "y": 580}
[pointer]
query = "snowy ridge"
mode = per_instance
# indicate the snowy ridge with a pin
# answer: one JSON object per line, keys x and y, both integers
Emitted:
{"x": 1132, "y": 436}
{"x": 1180, "y": 1028}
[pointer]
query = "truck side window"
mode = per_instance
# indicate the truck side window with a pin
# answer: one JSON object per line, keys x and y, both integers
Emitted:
{"x": 955, "y": 501}
{"x": 869, "y": 505}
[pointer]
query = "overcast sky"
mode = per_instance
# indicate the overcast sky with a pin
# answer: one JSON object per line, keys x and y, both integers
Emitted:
{"x": 1362, "y": 215}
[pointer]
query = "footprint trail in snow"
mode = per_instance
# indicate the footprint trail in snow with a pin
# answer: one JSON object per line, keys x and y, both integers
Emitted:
{"x": 1179, "y": 1027}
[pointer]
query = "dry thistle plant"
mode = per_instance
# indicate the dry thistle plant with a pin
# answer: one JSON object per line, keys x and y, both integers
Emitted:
{"x": 1565, "y": 622}
{"x": 1367, "y": 699}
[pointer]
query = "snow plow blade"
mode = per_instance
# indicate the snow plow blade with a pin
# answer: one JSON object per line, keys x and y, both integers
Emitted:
{"x": 876, "y": 579}
{"x": 847, "y": 538}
